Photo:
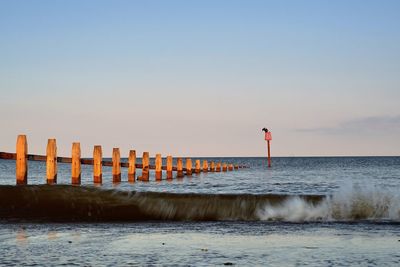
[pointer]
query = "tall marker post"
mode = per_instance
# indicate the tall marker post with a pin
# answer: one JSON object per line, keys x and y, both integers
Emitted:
{"x": 268, "y": 138}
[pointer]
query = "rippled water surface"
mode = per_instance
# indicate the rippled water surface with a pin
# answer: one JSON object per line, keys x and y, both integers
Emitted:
{"x": 288, "y": 175}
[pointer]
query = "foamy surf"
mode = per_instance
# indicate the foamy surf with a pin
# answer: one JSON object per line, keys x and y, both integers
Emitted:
{"x": 350, "y": 203}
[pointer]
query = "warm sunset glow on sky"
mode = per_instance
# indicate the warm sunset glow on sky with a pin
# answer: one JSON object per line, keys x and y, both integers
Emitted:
{"x": 202, "y": 78}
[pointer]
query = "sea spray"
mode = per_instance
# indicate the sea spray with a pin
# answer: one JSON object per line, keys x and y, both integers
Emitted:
{"x": 366, "y": 202}
{"x": 351, "y": 202}
{"x": 295, "y": 209}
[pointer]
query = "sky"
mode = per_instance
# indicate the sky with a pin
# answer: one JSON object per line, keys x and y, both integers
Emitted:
{"x": 202, "y": 78}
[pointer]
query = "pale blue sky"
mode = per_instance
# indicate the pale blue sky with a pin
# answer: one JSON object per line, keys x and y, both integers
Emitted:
{"x": 201, "y": 78}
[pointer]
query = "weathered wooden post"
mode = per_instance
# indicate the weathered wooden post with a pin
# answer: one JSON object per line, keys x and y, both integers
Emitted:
{"x": 197, "y": 166}
{"x": 218, "y": 169}
{"x": 205, "y": 166}
{"x": 230, "y": 167}
{"x": 179, "y": 168}
{"x": 97, "y": 165}
{"x": 145, "y": 167}
{"x": 51, "y": 161}
{"x": 116, "y": 165}
{"x": 169, "y": 167}
{"x": 132, "y": 166}
{"x": 224, "y": 167}
{"x": 188, "y": 166}
{"x": 212, "y": 166}
{"x": 76, "y": 164}
{"x": 21, "y": 163}
{"x": 158, "y": 167}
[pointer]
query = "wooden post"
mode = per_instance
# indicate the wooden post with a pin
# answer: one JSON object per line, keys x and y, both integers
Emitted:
{"x": 97, "y": 165}
{"x": 76, "y": 164}
{"x": 212, "y": 166}
{"x": 21, "y": 163}
{"x": 158, "y": 167}
{"x": 188, "y": 166}
{"x": 51, "y": 161}
{"x": 132, "y": 166}
{"x": 205, "y": 166}
{"x": 269, "y": 154}
{"x": 230, "y": 167}
{"x": 179, "y": 168}
{"x": 197, "y": 166}
{"x": 218, "y": 169}
{"x": 145, "y": 167}
{"x": 169, "y": 167}
{"x": 224, "y": 167}
{"x": 116, "y": 168}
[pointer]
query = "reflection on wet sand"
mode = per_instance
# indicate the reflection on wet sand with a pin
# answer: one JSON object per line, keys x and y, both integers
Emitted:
{"x": 201, "y": 243}
{"x": 51, "y": 235}
{"x": 21, "y": 237}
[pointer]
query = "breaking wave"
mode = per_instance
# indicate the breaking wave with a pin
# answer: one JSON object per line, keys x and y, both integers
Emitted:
{"x": 350, "y": 203}
{"x": 80, "y": 203}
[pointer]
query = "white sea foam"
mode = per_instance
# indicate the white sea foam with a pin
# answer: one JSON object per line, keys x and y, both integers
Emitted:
{"x": 295, "y": 209}
{"x": 351, "y": 202}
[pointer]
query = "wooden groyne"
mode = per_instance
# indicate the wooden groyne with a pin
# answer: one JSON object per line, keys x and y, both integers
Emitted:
{"x": 22, "y": 157}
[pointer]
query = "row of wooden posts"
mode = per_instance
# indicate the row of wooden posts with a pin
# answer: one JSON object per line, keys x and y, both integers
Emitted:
{"x": 21, "y": 157}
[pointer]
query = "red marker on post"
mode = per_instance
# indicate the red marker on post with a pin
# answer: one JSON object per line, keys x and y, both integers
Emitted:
{"x": 268, "y": 138}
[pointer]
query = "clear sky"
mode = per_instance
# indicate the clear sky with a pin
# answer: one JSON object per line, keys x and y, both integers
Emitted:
{"x": 202, "y": 78}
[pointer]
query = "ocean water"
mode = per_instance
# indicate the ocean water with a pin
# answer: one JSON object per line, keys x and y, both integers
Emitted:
{"x": 313, "y": 211}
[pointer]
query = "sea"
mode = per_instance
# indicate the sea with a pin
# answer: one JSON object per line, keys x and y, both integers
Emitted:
{"x": 303, "y": 211}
